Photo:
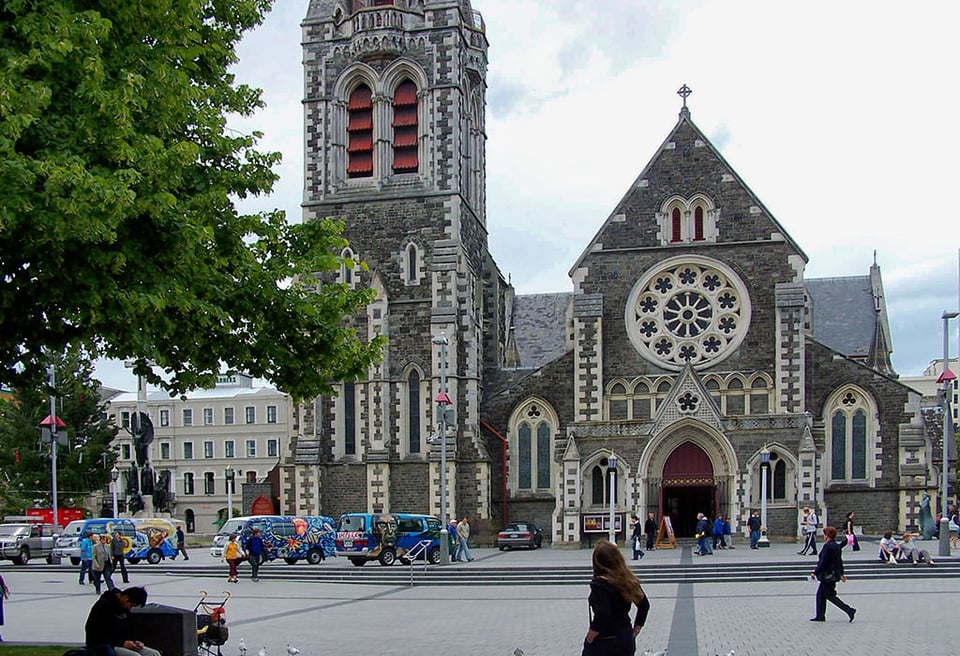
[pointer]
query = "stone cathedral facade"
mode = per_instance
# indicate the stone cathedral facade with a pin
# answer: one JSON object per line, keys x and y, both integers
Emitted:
{"x": 689, "y": 343}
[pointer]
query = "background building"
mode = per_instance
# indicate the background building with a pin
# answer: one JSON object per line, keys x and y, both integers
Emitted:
{"x": 198, "y": 438}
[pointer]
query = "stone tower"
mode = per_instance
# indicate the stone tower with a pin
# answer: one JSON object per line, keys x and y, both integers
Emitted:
{"x": 394, "y": 134}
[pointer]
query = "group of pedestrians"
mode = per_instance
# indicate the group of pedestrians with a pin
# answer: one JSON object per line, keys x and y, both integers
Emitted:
{"x": 460, "y": 537}
{"x": 251, "y": 550}
{"x": 101, "y": 556}
{"x": 638, "y": 531}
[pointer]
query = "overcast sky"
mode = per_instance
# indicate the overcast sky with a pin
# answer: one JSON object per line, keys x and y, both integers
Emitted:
{"x": 838, "y": 115}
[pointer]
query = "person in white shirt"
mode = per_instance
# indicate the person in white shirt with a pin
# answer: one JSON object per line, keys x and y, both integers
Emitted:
{"x": 888, "y": 548}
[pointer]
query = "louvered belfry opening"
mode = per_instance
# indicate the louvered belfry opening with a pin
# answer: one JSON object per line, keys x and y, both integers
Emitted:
{"x": 360, "y": 133}
{"x": 405, "y": 129}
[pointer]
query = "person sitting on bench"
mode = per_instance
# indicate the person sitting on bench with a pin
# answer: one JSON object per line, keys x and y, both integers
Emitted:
{"x": 108, "y": 623}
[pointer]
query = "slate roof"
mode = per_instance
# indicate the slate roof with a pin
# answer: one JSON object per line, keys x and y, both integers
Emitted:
{"x": 844, "y": 314}
{"x": 540, "y": 324}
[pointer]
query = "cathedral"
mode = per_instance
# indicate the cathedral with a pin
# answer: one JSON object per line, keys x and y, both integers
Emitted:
{"x": 689, "y": 360}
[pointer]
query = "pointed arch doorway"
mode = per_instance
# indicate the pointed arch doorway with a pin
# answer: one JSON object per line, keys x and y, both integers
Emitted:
{"x": 687, "y": 487}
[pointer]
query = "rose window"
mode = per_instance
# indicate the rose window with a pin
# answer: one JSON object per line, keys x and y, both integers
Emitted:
{"x": 689, "y": 309}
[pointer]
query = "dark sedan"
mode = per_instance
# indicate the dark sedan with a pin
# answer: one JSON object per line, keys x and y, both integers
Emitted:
{"x": 520, "y": 534}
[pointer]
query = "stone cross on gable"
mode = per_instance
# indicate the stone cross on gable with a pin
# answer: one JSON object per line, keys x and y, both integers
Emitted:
{"x": 683, "y": 92}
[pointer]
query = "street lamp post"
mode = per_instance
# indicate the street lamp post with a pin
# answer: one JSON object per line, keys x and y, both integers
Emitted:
{"x": 764, "y": 466}
{"x": 946, "y": 379}
{"x": 114, "y": 476}
{"x": 229, "y": 474}
{"x": 612, "y": 469}
{"x": 442, "y": 402}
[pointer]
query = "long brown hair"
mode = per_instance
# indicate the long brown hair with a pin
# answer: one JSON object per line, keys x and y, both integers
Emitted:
{"x": 608, "y": 564}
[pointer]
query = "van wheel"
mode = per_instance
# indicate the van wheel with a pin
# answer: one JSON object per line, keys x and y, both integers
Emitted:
{"x": 291, "y": 561}
{"x": 52, "y": 561}
{"x": 358, "y": 562}
{"x": 74, "y": 561}
{"x": 314, "y": 557}
{"x": 388, "y": 557}
{"x": 154, "y": 556}
{"x": 433, "y": 556}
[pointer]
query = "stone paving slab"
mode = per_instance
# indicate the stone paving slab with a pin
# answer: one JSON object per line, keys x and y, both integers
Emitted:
{"x": 321, "y": 618}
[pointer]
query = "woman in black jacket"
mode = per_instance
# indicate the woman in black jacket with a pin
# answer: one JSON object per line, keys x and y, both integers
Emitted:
{"x": 830, "y": 570}
{"x": 612, "y": 591}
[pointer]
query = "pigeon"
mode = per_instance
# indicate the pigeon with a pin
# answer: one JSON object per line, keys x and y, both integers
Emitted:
{"x": 243, "y": 647}
{"x": 517, "y": 652}
{"x": 262, "y": 652}
{"x": 293, "y": 651}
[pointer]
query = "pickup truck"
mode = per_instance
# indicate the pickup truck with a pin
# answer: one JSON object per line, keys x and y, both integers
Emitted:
{"x": 21, "y": 542}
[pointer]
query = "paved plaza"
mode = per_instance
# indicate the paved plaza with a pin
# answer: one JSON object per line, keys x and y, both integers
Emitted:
{"x": 915, "y": 616}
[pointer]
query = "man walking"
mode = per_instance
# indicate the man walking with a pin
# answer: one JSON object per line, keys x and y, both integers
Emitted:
{"x": 254, "y": 550}
{"x": 463, "y": 535}
{"x": 118, "y": 562}
{"x": 100, "y": 563}
{"x": 86, "y": 557}
{"x": 454, "y": 540}
{"x": 650, "y": 530}
{"x": 181, "y": 543}
{"x": 704, "y": 535}
{"x": 754, "y": 525}
{"x": 635, "y": 537}
{"x": 808, "y": 528}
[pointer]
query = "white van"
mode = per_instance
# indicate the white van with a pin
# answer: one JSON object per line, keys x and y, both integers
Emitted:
{"x": 234, "y": 525}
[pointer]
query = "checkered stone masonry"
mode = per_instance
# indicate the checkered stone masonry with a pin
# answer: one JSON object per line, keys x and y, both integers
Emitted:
{"x": 790, "y": 301}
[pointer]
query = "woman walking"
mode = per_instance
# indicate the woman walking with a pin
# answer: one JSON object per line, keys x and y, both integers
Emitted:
{"x": 232, "y": 556}
{"x": 830, "y": 570}
{"x": 612, "y": 591}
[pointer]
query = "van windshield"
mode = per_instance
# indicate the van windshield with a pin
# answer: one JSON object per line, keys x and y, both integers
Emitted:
{"x": 352, "y": 523}
{"x": 231, "y": 526}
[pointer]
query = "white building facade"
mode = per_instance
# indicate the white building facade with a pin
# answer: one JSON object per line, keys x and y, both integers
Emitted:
{"x": 199, "y": 439}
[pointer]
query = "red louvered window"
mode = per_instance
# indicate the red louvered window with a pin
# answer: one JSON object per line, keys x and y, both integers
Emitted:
{"x": 406, "y": 135}
{"x": 675, "y": 224}
{"x": 360, "y": 133}
{"x": 698, "y": 224}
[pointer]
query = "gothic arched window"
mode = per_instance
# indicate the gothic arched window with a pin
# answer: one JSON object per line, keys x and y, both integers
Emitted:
{"x": 676, "y": 225}
{"x": 360, "y": 133}
{"x": 349, "y": 420}
{"x": 531, "y": 448}
{"x": 852, "y": 436}
{"x": 698, "y": 223}
{"x": 406, "y": 135}
{"x": 413, "y": 412}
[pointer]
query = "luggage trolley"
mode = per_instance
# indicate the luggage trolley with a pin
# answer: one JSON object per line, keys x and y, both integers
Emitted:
{"x": 211, "y": 625}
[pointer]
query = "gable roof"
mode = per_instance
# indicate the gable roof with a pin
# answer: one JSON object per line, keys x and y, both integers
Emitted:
{"x": 538, "y": 330}
{"x": 684, "y": 122}
{"x": 843, "y": 315}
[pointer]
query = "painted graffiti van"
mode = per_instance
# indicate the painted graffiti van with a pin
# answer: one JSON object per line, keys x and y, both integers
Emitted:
{"x": 290, "y": 538}
{"x": 68, "y": 543}
{"x": 386, "y": 537}
{"x": 159, "y": 541}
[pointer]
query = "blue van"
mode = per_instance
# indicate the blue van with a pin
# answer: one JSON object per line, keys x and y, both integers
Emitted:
{"x": 68, "y": 543}
{"x": 287, "y": 537}
{"x": 385, "y": 537}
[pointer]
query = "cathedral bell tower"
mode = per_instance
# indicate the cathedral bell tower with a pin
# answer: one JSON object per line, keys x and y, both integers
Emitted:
{"x": 394, "y": 133}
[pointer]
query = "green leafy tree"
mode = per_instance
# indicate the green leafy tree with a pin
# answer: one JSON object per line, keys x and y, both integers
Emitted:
{"x": 118, "y": 230}
{"x": 82, "y": 466}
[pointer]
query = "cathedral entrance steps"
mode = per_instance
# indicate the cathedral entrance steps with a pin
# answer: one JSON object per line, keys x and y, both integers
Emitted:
{"x": 705, "y": 570}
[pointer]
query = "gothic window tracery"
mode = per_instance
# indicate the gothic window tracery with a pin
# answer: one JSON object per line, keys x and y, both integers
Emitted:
{"x": 852, "y": 436}
{"x": 688, "y": 309}
{"x": 531, "y": 448}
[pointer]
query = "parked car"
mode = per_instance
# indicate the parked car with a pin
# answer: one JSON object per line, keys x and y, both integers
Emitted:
{"x": 20, "y": 542}
{"x": 520, "y": 534}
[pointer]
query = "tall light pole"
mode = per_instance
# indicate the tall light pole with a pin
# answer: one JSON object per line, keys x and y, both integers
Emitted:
{"x": 229, "y": 474}
{"x": 764, "y": 541}
{"x": 442, "y": 402}
{"x": 114, "y": 476}
{"x": 946, "y": 379}
{"x": 612, "y": 474}
{"x": 53, "y": 448}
